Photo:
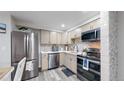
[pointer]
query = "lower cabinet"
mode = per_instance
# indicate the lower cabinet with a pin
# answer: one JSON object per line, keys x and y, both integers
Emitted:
{"x": 70, "y": 61}
{"x": 73, "y": 63}
{"x": 62, "y": 59}
{"x": 66, "y": 59}
{"x": 44, "y": 61}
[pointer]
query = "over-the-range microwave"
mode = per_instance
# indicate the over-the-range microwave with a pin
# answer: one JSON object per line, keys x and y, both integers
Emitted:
{"x": 91, "y": 35}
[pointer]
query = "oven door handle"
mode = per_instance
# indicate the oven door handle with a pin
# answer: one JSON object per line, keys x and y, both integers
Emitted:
{"x": 80, "y": 58}
{"x": 93, "y": 61}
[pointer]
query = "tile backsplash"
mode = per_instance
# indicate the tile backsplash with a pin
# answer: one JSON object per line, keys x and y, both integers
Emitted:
{"x": 72, "y": 47}
{"x": 80, "y": 46}
{"x": 48, "y": 47}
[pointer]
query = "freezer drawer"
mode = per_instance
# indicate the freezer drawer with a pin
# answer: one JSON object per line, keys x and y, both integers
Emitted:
{"x": 53, "y": 60}
{"x": 31, "y": 69}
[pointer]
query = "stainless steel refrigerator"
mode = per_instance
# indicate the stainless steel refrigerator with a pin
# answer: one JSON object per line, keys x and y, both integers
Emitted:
{"x": 25, "y": 44}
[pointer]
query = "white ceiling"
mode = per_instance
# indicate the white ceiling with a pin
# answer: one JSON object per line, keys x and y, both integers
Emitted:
{"x": 52, "y": 19}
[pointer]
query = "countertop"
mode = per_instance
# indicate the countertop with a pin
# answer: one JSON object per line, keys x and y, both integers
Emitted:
{"x": 69, "y": 52}
{"x": 4, "y": 71}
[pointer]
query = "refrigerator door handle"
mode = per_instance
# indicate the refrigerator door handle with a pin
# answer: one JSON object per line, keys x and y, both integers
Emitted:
{"x": 25, "y": 44}
{"x": 27, "y": 47}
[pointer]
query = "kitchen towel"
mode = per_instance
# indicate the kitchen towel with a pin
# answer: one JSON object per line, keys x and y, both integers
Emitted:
{"x": 85, "y": 64}
{"x": 29, "y": 66}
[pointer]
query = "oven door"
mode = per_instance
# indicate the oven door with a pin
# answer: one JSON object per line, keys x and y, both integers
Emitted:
{"x": 94, "y": 66}
{"x": 83, "y": 74}
{"x": 87, "y": 75}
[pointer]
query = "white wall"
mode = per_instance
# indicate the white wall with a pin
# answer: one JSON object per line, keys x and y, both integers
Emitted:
{"x": 105, "y": 73}
{"x": 109, "y": 46}
{"x": 120, "y": 45}
{"x": 5, "y": 38}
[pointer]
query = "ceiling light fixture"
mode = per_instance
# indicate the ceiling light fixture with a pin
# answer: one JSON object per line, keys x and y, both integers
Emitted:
{"x": 62, "y": 25}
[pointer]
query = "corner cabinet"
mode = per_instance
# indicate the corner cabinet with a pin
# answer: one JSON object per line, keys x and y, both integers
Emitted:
{"x": 45, "y": 37}
{"x": 66, "y": 38}
{"x": 70, "y": 61}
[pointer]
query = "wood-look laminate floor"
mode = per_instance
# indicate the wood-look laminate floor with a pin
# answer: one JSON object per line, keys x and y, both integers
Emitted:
{"x": 54, "y": 75}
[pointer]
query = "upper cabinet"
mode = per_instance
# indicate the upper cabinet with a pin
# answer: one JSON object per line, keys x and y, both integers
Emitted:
{"x": 92, "y": 25}
{"x": 53, "y": 37}
{"x": 75, "y": 33}
{"x": 69, "y": 38}
{"x": 58, "y": 37}
{"x": 66, "y": 39}
{"x": 45, "y": 37}
{"x": 49, "y": 37}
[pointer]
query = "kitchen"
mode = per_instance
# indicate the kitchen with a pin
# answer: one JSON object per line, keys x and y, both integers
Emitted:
{"x": 66, "y": 46}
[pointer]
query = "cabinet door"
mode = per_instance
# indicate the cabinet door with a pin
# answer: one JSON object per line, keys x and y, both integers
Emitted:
{"x": 45, "y": 37}
{"x": 92, "y": 25}
{"x": 65, "y": 59}
{"x": 62, "y": 59}
{"x": 53, "y": 38}
{"x": 44, "y": 62}
{"x": 95, "y": 24}
{"x": 64, "y": 38}
{"x": 73, "y": 63}
{"x": 69, "y": 37}
{"x": 69, "y": 61}
{"x": 58, "y": 38}
{"x": 75, "y": 33}
{"x": 72, "y": 34}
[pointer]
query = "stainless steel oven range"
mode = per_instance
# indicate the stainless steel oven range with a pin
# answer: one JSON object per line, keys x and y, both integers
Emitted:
{"x": 88, "y": 67}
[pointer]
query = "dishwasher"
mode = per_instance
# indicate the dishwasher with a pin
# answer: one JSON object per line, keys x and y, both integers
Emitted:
{"x": 53, "y": 60}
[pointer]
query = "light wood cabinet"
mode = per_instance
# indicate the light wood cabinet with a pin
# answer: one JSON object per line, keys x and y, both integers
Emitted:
{"x": 45, "y": 37}
{"x": 44, "y": 61}
{"x": 53, "y": 37}
{"x": 76, "y": 33}
{"x": 71, "y": 62}
{"x": 92, "y": 25}
{"x": 69, "y": 38}
{"x": 65, "y": 59}
{"x": 72, "y": 34}
{"x": 62, "y": 58}
{"x": 48, "y": 37}
{"x": 64, "y": 38}
{"x": 58, "y": 38}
